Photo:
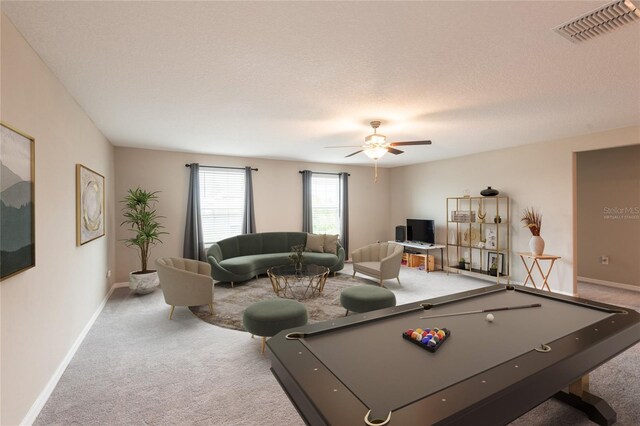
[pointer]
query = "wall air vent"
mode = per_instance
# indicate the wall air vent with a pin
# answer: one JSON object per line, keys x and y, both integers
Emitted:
{"x": 605, "y": 19}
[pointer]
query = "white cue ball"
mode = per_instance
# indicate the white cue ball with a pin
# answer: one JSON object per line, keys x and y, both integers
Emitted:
{"x": 490, "y": 317}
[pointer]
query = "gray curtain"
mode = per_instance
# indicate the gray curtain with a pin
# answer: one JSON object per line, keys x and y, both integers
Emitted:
{"x": 193, "y": 241}
{"x": 344, "y": 212}
{"x": 249, "y": 219}
{"x": 307, "y": 213}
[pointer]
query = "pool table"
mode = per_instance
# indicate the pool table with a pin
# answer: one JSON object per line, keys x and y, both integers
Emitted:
{"x": 360, "y": 370}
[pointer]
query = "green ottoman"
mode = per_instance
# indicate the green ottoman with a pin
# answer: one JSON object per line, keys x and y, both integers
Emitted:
{"x": 269, "y": 317}
{"x": 365, "y": 298}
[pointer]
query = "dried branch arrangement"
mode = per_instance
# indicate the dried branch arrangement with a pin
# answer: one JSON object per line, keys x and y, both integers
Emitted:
{"x": 532, "y": 219}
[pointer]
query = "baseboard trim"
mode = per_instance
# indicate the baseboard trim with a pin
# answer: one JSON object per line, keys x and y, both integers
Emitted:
{"x": 609, "y": 283}
{"x": 42, "y": 399}
{"x": 553, "y": 290}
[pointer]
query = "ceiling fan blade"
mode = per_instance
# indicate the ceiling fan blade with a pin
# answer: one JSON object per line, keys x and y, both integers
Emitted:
{"x": 345, "y": 146}
{"x": 410, "y": 143}
{"x": 353, "y": 153}
{"x": 394, "y": 151}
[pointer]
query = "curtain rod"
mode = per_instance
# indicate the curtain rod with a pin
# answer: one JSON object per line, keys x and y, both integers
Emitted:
{"x": 323, "y": 173}
{"x": 222, "y": 167}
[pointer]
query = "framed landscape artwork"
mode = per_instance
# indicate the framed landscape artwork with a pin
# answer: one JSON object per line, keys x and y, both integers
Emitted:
{"x": 89, "y": 205}
{"x": 17, "y": 212}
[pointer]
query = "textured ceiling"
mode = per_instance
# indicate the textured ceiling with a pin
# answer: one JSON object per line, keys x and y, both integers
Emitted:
{"x": 284, "y": 79}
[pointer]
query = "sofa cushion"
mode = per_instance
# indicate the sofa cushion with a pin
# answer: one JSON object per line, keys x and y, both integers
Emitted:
{"x": 369, "y": 268}
{"x": 275, "y": 242}
{"x": 330, "y": 243}
{"x": 322, "y": 259}
{"x": 315, "y": 243}
{"x": 249, "y": 244}
{"x": 295, "y": 239}
{"x": 229, "y": 247}
{"x": 243, "y": 265}
{"x": 266, "y": 261}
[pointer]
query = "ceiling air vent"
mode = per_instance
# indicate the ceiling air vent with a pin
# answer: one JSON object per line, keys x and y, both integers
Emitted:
{"x": 605, "y": 19}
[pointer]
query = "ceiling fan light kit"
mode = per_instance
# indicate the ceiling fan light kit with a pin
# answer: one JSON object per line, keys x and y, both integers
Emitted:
{"x": 376, "y": 145}
{"x": 375, "y": 152}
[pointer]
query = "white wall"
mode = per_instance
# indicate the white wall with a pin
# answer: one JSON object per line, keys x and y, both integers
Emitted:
{"x": 539, "y": 175}
{"x": 45, "y": 309}
{"x": 277, "y": 191}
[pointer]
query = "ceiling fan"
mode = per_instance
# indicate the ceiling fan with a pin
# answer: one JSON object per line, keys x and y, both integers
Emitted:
{"x": 376, "y": 145}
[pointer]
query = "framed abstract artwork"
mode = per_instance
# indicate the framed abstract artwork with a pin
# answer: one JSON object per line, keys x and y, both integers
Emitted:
{"x": 17, "y": 203}
{"x": 89, "y": 205}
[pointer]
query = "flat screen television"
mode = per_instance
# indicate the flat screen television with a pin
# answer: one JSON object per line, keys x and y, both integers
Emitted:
{"x": 421, "y": 231}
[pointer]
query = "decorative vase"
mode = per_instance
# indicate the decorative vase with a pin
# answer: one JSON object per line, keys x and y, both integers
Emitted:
{"x": 143, "y": 283}
{"x": 536, "y": 244}
{"x": 489, "y": 192}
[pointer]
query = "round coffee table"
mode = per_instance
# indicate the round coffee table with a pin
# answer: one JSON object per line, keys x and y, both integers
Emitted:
{"x": 287, "y": 281}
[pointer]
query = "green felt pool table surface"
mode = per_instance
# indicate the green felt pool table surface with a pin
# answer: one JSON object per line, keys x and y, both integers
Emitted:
{"x": 342, "y": 369}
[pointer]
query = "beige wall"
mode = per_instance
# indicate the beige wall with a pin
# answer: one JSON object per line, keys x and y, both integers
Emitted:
{"x": 609, "y": 214}
{"x": 277, "y": 189}
{"x": 538, "y": 175}
{"x": 45, "y": 309}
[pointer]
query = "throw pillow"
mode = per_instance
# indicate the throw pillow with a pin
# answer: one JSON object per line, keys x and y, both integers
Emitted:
{"x": 315, "y": 243}
{"x": 331, "y": 244}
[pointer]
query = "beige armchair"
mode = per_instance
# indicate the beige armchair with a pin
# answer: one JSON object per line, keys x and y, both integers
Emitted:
{"x": 379, "y": 260}
{"x": 185, "y": 282}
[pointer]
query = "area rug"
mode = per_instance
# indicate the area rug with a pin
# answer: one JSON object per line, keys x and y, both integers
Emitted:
{"x": 229, "y": 303}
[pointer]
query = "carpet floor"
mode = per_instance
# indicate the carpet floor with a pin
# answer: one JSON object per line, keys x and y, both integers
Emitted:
{"x": 230, "y": 302}
{"x": 137, "y": 367}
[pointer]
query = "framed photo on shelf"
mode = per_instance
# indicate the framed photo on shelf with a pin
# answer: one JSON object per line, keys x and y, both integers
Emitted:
{"x": 493, "y": 256}
{"x": 89, "y": 205}
{"x": 491, "y": 238}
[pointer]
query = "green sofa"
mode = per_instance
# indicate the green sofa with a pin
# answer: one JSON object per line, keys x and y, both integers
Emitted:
{"x": 245, "y": 256}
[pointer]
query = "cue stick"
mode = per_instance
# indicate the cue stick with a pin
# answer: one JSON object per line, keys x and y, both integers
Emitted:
{"x": 479, "y": 311}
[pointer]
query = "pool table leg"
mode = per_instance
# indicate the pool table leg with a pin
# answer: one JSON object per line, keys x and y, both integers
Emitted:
{"x": 597, "y": 409}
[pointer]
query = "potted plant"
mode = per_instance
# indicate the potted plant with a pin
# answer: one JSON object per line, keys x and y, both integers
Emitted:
{"x": 141, "y": 218}
{"x": 532, "y": 219}
{"x": 297, "y": 257}
{"x": 493, "y": 269}
{"x": 462, "y": 263}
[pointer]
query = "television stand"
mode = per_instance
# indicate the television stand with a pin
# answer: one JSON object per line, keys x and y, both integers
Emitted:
{"x": 423, "y": 248}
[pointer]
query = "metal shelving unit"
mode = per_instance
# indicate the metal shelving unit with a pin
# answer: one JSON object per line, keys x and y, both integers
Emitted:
{"x": 479, "y": 227}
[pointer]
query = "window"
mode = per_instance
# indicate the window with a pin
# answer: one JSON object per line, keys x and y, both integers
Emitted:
{"x": 221, "y": 203}
{"x": 325, "y": 203}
